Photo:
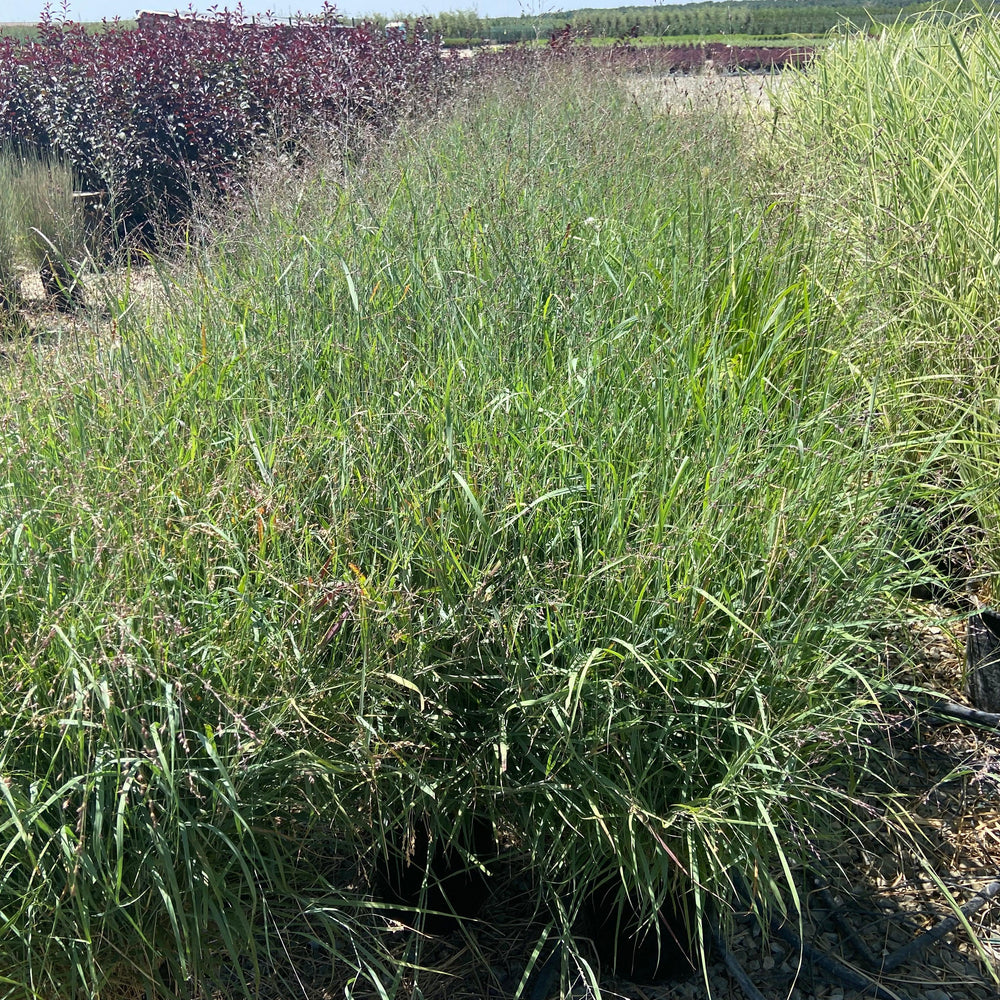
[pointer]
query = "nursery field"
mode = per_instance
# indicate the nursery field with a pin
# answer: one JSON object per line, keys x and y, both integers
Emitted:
{"x": 497, "y": 530}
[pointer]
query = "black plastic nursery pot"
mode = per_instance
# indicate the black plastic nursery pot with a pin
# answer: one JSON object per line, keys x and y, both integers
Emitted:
{"x": 435, "y": 885}
{"x": 641, "y": 951}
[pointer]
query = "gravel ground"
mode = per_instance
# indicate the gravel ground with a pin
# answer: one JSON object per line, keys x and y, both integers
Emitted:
{"x": 706, "y": 92}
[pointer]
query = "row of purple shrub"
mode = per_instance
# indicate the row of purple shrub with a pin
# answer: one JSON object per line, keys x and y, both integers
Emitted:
{"x": 153, "y": 115}
{"x": 734, "y": 58}
{"x": 156, "y": 113}
{"x": 692, "y": 58}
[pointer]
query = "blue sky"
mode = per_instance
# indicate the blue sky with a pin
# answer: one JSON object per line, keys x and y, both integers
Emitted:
{"x": 95, "y": 10}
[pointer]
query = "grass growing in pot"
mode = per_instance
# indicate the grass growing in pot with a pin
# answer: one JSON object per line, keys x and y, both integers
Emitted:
{"x": 10, "y": 224}
{"x": 515, "y": 483}
{"x": 54, "y": 230}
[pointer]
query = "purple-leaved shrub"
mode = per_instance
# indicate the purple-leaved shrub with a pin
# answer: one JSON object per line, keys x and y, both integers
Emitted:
{"x": 153, "y": 115}
{"x": 156, "y": 113}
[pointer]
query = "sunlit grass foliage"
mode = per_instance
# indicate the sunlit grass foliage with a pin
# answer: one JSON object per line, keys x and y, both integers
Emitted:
{"x": 42, "y": 224}
{"x": 515, "y": 472}
{"x": 906, "y": 122}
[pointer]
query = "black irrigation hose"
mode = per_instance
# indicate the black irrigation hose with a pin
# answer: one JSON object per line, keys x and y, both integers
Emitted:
{"x": 856, "y": 980}
{"x": 950, "y": 711}
{"x": 841, "y": 973}
{"x": 845, "y": 927}
{"x": 938, "y": 931}
{"x": 734, "y": 968}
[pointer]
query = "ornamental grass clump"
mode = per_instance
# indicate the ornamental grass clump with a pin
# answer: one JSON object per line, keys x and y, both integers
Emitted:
{"x": 42, "y": 225}
{"x": 10, "y": 226}
{"x": 54, "y": 230}
{"x": 512, "y": 484}
{"x": 909, "y": 113}
{"x": 903, "y": 125}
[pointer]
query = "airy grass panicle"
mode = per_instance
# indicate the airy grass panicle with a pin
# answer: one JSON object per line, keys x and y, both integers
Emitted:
{"x": 517, "y": 474}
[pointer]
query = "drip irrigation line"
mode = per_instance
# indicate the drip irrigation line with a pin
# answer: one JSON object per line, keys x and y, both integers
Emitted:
{"x": 950, "y": 711}
{"x": 938, "y": 931}
{"x": 846, "y": 928}
{"x": 850, "y": 977}
{"x": 840, "y": 973}
{"x": 734, "y": 968}
{"x": 843, "y": 974}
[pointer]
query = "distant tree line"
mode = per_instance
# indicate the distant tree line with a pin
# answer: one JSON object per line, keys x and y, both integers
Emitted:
{"x": 762, "y": 18}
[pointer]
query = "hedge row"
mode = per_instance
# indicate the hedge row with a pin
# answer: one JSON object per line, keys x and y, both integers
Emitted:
{"x": 156, "y": 113}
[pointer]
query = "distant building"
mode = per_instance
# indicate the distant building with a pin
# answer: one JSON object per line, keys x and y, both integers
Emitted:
{"x": 145, "y": 17}
{"x": 296, "y": 21}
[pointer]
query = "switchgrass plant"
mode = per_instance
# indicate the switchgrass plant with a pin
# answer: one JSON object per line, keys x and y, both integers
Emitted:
{"x": 911, "y": 113}
{"x": 54, "y": 229}
{"x": 43, "y": 224}
{"x": 516, "y": 477}
{"x": 904, "y": 124}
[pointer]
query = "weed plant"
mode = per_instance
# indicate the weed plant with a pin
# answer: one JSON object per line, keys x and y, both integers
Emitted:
{"x": 517, "y": 474}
